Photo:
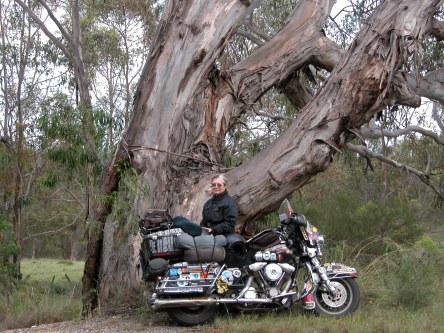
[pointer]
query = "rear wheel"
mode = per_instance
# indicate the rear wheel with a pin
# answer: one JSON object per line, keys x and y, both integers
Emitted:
{"x": 344, "y": 300}
{"x": 192, "y": 315}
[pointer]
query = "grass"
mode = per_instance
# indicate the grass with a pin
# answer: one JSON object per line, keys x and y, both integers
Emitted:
{"x": 52, "y": 270}
{"x": 400, "y": 293}
{"x": 50, "y": 291}
{"x": 368, "y": 319}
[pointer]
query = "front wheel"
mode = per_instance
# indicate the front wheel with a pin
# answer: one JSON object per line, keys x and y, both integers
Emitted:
{"x": 192, "y": 315}
{"x": 344, "y": 300}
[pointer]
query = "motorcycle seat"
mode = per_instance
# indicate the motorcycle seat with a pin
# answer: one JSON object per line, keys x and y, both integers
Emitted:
{"x": 236, "y": 243}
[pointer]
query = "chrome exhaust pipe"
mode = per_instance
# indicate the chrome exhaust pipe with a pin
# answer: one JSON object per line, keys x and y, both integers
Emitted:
{"x": 161, "y": 304}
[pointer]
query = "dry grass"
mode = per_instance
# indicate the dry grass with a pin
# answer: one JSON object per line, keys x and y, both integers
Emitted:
{"x": 49, "y": 292}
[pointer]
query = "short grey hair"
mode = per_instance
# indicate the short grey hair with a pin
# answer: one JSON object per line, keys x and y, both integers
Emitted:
{"x": 221, "y": 177}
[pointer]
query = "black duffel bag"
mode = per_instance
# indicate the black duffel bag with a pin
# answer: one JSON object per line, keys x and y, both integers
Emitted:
{"x": 154, "y": 220}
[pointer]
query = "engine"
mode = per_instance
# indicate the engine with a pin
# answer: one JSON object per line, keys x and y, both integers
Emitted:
{"x": 273, "y": 272}
{"x": 273, "y": 278}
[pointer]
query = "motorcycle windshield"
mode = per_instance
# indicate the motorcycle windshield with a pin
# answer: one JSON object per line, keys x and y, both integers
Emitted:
{"x": 285, "y": 210}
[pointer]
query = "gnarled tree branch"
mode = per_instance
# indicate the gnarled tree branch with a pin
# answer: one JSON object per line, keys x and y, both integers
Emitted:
{"x": 53, "y": 38}
{"x": 437, "y": 30}
{"x": 430, "y": 86}
{"x": 374, "y": 132}
{"x": 423, "y": 176}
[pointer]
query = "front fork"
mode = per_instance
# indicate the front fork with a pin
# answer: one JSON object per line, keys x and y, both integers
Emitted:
{"x": 318, "y": 272}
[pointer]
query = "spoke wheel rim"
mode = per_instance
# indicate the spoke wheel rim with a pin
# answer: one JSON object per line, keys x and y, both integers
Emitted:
{"x": 338, "y": 298}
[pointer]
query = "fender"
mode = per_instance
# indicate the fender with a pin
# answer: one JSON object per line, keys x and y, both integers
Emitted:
{"x": 340, "y": 271}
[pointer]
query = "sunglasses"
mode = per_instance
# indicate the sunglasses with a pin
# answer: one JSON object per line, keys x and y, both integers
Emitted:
{"x": 217, "y": 185}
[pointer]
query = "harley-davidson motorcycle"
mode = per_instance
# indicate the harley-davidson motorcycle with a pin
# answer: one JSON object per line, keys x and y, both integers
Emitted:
{"x": 194, "y": 276}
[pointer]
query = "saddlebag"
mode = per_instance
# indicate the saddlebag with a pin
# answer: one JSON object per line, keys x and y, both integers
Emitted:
{"x": 155, "y": 268}
{"x": 161, "y": 244}
{"x": 158, "y": 235}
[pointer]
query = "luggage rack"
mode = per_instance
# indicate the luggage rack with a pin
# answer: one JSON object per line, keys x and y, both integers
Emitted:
{"x": 188, "y": 279}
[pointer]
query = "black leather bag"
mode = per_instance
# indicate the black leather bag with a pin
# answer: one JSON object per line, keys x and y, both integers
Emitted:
{"x": 155, "y": 220}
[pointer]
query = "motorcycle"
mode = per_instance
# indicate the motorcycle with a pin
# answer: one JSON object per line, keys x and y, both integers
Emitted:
{"x": 271, "y": 271}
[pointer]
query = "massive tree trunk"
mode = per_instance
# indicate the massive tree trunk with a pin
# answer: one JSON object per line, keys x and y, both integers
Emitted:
{"x": 184, "y": 105}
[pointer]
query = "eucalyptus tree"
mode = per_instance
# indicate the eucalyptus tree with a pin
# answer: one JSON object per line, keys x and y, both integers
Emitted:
{"x": 69, "y": 42}
{"x": 95, "y": 49}
{"x": 26, "y": 60}
{"x": 35, "y": 76}
{"x": 396, "y": 123}
{"x": 116, "y": 42}
{"x": 187, "y": 101}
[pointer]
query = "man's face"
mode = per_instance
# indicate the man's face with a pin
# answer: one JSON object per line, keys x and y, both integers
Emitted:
{"x": 218, "y": 186}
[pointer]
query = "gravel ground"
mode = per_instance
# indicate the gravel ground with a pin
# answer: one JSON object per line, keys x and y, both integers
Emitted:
{"x": 111, "y": 324}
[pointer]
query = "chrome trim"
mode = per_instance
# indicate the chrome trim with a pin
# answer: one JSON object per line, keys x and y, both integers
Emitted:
{"x": 161, "y": 304}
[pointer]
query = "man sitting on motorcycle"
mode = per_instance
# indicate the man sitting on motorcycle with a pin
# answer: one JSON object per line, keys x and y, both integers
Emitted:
{"x": 219, "y": 213}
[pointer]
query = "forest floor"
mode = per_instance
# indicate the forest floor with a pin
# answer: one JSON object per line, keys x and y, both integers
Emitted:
{"x": 124, "y": 323}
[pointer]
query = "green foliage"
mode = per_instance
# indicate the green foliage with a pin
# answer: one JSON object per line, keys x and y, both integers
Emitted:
{"x": 50, "y": 178}
{"x": 334, "y": 215}
{"x": 5, "y": 158}
{"x": 103, "y": 45}
{"x": 389, "y": 218}
{"x": 267, "y": 222}
{"x": 416, "y": 280}
{"x": 343, "y": 216}
{"x": 426, "y": 246}
{"x": 8, "y": 248}
{"x": 131, "y": 188}
{"x": 63, "y": 134}
{"x": 409, "y": 277}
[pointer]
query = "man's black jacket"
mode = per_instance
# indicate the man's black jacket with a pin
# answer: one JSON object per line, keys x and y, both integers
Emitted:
{"x": 220, "y": 214}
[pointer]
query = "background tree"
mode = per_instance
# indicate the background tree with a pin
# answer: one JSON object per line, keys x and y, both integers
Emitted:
{"x": 116, "y": 41}
{"x": 25, "y": 62}
{"x": 68, "y": 141}
{"x": 71, "y": 47}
